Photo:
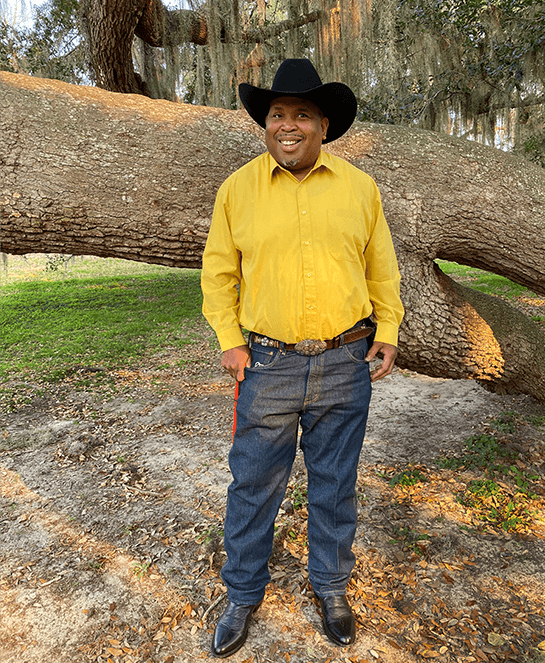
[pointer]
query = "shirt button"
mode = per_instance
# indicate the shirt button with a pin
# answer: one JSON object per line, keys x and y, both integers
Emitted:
{"x": 311, "y": 307}
{"x": 307, "y": 243}
{"x": 303, "y": 212}
{"x": 309, "y": 274}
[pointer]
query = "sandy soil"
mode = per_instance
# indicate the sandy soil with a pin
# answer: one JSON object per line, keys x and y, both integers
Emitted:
{"x": 112, "y": 515}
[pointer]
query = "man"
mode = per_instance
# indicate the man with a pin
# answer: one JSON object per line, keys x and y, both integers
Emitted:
{"x": 298, "y": 253}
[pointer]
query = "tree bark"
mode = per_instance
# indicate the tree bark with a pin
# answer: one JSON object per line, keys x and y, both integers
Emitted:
{"x": 109, "y": 27}
{"x": 92, "y": 172}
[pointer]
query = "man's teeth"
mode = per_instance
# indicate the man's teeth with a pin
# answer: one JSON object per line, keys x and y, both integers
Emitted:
{"x": 289, "y": 142}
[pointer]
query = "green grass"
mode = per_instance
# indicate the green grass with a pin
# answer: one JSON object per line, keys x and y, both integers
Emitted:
{"x": 407, "y": 478}
{"x": 297, "y": 494}
{"x": 494, "y": 505}
{"x": 519, "y": 296}
{"x": 110, "y": 321}
{"x": 141, "y": 569}
{"x": 409, "y": 538}
{"x": 404, "y": 479}
{"x": 483, "y": 452}
{"x": 487, "y": 282}
{"x": 503, "y": 496}
{"x": 213, "y": 532}
{"x": 59, "y": 315}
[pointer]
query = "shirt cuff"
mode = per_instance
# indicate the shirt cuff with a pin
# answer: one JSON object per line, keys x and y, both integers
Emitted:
{"x": 230, "y": 338}
{"x": 386, "y": 333}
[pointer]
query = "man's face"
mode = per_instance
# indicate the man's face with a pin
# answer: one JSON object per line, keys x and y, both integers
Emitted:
{"x": 294, "y": 130}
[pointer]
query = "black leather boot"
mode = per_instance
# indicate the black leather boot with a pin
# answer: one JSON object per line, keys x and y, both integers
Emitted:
{"x": 232, "y": 629}
{"x": 338, "y": 620}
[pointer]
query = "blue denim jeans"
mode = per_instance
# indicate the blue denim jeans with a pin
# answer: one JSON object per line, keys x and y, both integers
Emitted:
{"x": 329, "y": 396}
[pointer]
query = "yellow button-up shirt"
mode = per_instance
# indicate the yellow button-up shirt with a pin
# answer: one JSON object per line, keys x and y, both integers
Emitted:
{"x": 310, "y": 258}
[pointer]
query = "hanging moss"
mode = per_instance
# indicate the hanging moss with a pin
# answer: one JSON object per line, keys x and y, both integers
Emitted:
{"x": 471, "y": 69}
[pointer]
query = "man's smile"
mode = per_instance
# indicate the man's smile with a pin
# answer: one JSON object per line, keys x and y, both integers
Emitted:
{"x": 289, "y": 141}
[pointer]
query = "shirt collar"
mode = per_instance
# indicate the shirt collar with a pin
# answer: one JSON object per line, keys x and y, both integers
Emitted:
{"x": 324, "y": 160}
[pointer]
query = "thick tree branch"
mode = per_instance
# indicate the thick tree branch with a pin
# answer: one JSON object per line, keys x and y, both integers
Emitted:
{"x": 91, "y": 172}
{"x": 160, "y": 26}
{"x": 261, "y": 34}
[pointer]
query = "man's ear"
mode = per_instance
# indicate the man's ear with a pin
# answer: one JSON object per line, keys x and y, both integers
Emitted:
{"x": 325, "y": 126}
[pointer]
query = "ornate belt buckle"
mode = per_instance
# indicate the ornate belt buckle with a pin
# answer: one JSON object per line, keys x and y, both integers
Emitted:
{"x": 310, "y": 347}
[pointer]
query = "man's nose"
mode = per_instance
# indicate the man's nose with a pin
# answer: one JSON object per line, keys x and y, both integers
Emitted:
{"x": 289, "y": 124}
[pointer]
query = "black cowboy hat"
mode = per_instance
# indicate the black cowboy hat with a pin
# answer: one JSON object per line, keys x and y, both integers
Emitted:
{"x": 298, "y": 78}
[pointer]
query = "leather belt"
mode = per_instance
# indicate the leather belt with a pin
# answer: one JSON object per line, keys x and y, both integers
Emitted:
{"x": 310, "y": 347}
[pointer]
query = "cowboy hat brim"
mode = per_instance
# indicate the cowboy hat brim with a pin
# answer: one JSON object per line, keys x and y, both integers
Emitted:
{"x": 336, "y": 101}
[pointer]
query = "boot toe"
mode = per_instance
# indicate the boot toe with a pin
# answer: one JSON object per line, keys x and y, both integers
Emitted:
{"x": 338, "y": 620}
{"x": 232, "y": 629}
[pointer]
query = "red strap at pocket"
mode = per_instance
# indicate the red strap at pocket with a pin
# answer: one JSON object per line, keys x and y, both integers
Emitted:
{"x": 237, "y": 385}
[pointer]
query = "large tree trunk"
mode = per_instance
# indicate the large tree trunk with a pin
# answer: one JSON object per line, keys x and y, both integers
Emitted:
{"x": 92, "y": 172}
{"x": 109, "y": 27}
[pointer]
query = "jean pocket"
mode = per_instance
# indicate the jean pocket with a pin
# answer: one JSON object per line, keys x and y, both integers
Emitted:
{"x": 263, "y": 357}
{"x": 357, "y": 350}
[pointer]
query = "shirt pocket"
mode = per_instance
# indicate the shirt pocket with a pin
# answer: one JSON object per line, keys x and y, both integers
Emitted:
{"x": 346, "y": 254}
{"x": 345, "y": 236}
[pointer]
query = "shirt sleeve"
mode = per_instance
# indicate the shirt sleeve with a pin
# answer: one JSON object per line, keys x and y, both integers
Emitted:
{"x": 382, "y": 278}
{"x": 220, "y": 278}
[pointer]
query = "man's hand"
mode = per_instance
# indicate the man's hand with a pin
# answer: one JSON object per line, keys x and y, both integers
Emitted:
{"x": 235, "y": 360}
{"x": 389, "y": 354}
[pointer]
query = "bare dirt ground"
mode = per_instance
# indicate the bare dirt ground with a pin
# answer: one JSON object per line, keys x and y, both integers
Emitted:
{"x": 113, "y": 494}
